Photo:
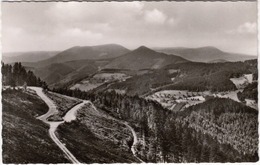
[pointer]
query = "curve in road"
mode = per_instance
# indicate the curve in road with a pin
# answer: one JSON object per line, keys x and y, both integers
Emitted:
{"x": 54, "y": 125}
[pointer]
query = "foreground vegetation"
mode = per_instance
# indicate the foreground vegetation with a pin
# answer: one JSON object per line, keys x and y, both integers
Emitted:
{"x": 96, "y": 138}
{"x": 25, "y": 138}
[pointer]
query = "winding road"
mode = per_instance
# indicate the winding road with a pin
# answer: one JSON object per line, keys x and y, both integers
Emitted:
{"x": 54, "y": 125}
{"x": 70, "y": 115}
{"x": 133, "y": 148}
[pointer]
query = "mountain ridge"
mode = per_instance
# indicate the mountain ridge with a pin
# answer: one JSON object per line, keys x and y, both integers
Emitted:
{"x": 82, "y": 53}
{"x": 204, "y": 54}
{"x": 143, "y": 58}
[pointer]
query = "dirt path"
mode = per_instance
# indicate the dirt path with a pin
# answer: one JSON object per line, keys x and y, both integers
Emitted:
{"x": 54, "y": 125}
{"x": 133, "y": 147}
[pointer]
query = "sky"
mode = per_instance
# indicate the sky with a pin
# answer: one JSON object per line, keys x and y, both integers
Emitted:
{"x": 229, "y": 26}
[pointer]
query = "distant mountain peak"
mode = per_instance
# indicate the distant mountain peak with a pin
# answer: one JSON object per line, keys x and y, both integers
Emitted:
{"x": 210, "y": 48}
{"x": 143, "y": 49}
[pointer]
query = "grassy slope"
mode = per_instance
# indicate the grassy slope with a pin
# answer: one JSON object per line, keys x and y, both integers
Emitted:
{"x": 25, "y": 139}
{"x": 101, "y": 139}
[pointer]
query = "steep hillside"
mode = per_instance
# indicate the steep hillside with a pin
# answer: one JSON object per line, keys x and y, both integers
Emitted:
{"x": 82, "y": 53}
{"x": 25, "y": 138}
{"x": 143, "y": 58}
{"x": 27, "y": 56}
{"x": 96, "y": 138}
{"x": 205, "y": 54}
{"x": 214, "y": 77}
{"x": 60, "y": 74}
{"x": 228, "y": 121}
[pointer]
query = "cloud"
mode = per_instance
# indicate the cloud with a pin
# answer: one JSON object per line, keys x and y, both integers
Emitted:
{"x": 94, "y": 12}
{"x": 155, "y": 17}
{"x": 171, "y": 21}
{"x": 59, "y": 25}
{"x": 14, "y": 31}
{"x": 76, "y": 32}
{"x": 246, "y": 28}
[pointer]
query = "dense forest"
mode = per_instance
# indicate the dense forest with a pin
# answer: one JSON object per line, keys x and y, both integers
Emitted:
{"x": 217, "y": 135}
{"x": 16, "y": 75}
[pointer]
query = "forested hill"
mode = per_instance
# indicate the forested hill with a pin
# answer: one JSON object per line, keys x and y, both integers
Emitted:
{"x": 214, "y": 77}
{"x": 192, "y": 76}
{"x": 219, "y": 130}
{"x": 16, "y": 75}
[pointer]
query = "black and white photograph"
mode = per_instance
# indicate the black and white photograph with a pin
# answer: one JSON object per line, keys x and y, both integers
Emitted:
{"x": 129, "y": 82}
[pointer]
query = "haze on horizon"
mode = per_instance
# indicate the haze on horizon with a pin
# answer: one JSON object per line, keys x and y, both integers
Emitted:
{"x": 229, "y": 26}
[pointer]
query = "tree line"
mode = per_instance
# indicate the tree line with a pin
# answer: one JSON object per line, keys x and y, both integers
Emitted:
{"x": 16, "y": 75}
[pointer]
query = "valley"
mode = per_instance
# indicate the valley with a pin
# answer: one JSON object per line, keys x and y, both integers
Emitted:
{"x": 139, "y": 106}
{"x": 177, "y": 100}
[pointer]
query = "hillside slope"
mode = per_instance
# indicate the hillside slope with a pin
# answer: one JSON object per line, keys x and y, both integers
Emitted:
{"x": 214, "y": 76}
{"x": 102, "y": 139}
{"x": 57, "y": 74}
{"x": 227, "y": 121}
{"x": 25, "y": 139}
{"x": 192, "y": 76}
{"x": 205, "y": 54}
{"x": 143, "y": 58}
